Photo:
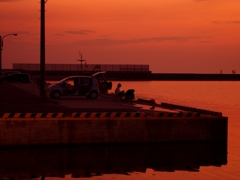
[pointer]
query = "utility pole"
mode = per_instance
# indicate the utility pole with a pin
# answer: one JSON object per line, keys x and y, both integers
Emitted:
{"x": 42, "y": 52}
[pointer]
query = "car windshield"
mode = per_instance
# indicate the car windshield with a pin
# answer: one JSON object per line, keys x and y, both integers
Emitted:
{"x": 12, "y": 75}
{"x": 63, "y": 80}
{"x": 12, "y": 72}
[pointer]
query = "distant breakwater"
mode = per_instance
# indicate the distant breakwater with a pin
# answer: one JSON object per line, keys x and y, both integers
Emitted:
{"x": 195, "y": 77}
{"x": 143, "y": 76}
{"x": 140, "y": 76}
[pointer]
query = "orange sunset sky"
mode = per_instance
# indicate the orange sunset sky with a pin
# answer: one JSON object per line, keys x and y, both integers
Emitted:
{"x": 173, "y": 36}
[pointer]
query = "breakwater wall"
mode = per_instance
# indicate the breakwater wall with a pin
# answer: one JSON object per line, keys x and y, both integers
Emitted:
{"x": 138, "y": 76}
{"x": 194, "y": 77}
{"x": 94, "y": 128}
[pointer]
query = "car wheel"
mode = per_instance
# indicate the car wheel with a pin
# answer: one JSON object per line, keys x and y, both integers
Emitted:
{"x": 93, "y": 95}
{"x": 56, "y": 94}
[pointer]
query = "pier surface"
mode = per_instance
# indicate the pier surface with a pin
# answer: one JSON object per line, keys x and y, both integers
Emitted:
{"x": 26, "y": 120}
{"x": 25, "y": 98}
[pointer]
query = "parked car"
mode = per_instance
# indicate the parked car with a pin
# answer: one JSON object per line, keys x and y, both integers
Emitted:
{"x": 16, "y": 77}
{"x": 5, "y": 73}
{"x": 75, "y": 86}
{"x": 2, "y": 75}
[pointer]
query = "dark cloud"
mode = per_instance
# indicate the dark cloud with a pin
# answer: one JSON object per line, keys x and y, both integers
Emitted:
{"x": 108, "y": 41}
{"x": 200, "y": 0}
{"x": 80, "y": 32}
{"x": 9, "y": 0}
{"x": 226, "y": 22}
{"x": 24, "y": 33}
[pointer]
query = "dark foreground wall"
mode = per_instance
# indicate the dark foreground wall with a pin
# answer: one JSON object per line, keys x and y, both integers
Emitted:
{"x": 54, "y": 131}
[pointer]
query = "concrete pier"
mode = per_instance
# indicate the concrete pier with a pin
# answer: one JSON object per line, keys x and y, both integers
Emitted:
{"x": 84, "y": 121}
{"x": 49, "y": 131}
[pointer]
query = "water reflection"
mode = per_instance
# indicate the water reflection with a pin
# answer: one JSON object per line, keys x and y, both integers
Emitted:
{"x": 87, "y": 161}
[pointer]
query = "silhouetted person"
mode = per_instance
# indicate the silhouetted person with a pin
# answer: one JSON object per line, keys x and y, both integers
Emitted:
{"x": 129, "y": 95}
{"x": 118, "y": 91}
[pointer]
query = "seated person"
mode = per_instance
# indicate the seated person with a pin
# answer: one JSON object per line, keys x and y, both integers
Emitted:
{"x": 129, "y": 95}
{"x": 118, "y": 91}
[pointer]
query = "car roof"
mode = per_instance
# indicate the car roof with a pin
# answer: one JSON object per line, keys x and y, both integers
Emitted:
{"x": 97, "y": 73}
{"x": 11, "y": 71}
{"x": 77, "y": 76}
{"x": 12, "y": 74}
{"x": 17, "y": 74}
{"x": 68, "y": 77}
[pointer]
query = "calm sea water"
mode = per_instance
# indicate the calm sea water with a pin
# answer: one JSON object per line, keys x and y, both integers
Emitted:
{"x": 219, "y": 96}
{"x": 187, "y": 161}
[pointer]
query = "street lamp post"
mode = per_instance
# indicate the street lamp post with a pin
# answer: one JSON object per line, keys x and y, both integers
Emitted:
{"x": 1, "y": 47}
